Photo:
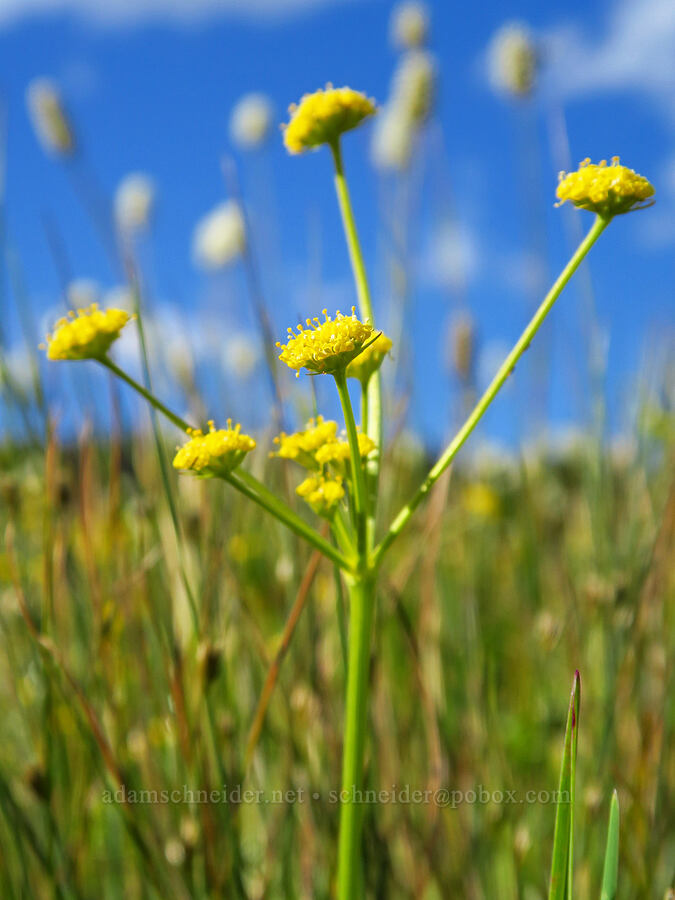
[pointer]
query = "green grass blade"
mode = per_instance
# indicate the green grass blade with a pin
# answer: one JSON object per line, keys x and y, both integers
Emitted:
{"x": 611, "y": 867}
{"x": 561, "y": 862}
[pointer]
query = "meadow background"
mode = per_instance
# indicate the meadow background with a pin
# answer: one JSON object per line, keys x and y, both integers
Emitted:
{"x": 547, "y": 549}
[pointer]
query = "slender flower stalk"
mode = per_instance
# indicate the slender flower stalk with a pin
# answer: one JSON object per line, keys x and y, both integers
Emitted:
{"x": 493, "y": 389}
{"x": 360, "y": 495}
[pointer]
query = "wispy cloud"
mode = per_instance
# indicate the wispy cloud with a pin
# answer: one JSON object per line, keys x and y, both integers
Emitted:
{"x": 634, "y": 52}
{"x": 131, "y": 12}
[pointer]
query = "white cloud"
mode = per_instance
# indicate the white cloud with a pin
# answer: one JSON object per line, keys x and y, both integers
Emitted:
{"x": 132, "y": 12}
{"x": 635, "y": 53}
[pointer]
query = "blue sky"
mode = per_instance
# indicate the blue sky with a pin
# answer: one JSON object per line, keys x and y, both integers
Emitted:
{"x": 150, "y": 86}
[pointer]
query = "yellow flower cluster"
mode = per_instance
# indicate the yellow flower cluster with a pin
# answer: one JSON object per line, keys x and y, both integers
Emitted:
{"x": 87, "y": 335}
{"x": 602, "y": 189}
{"x": 338, "y": 451}
{"x": 326, "y": 347}
{"x": 370, "y": 359}
{"x": 322, "y": 494}
{"x": 302, "y": 445}
{"x": 321, "y": 117}
{"x": 215, "y": 453}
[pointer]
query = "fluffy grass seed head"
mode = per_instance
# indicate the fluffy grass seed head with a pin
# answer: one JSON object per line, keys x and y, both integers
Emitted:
{"x": 302, "y": 446}
{"x": 215, "y": 453}
{"x": 512, "y": 60}
{"x": 321, "y": 117}
{"x": 87, "y": 335}
{"x": 219, "y": 237}
{"x": 322, "y": 493}
{"x": 49, "y": 118}
{"x": 608, "y": 190}
{"x": 134, "y": 202}
{"x": 326, "y": 347}
{"x": 370, "y": 360}
{"x": 409, "y": 24}
{"x": 251, "y": 121}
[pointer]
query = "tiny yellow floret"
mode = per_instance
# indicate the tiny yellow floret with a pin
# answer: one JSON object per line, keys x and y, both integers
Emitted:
{"x": 321, "y": 117}
{"x": 326, "y": 347}
{"x": 215, "y": 453}
{"x": 303, "y": 445}
{"x": 608, "y": 190}
{"x": 322, "y": 494}
{"x": 87, "y": 335}
{"x": 370, "y": 360}
{"x": 338, "y": 451}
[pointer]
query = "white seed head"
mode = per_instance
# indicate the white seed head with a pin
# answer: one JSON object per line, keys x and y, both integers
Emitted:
{"x": 251, "y": 121}
{"x": 220, "y": 237}
{"x": 409, "y": 24}
{"x": 134, "y": 202}
{"x": 512, "y": 60}
{"x": 49, "y": 118}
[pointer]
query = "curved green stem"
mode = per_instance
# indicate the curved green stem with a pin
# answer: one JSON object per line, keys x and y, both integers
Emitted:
{"x": 358, "y": 478}
{"x": 505, "y": 370}
{"x": 248, "y": 485}
{"x": 152, "y": 400}
{"x": 362, "y": 597}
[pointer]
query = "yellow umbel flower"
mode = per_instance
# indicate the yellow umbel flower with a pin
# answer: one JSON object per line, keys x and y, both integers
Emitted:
{"x": 605, "y": 190}
{"x": 321, "y": 117}
{"x": 370, "y": 360}
{"x": 338, "y": 451}
{"x": 302, "y": 445}
{"x": 326, "y": 347}
{"x": 322, "y": 494}
{"x": 215, "y": 453}
{"x": 87, "y": 335}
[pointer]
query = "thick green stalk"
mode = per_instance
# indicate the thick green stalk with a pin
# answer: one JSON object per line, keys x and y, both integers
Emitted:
{"x": 358, "y": 477}
{"x": 372, "y": 425}
{"x": 497, "y": 382}
{"x": 362, "y": 601}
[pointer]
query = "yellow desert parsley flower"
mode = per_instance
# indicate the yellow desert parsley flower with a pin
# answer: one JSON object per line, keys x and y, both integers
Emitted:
{"x": 370, "y": 360}
{"x": 322, "y": 494}
{"x": 303, "y": 445}
{"x": 605, "y": 190}
{"x": 338, "y": 451}
{"x": 326, "y": 347}
{"x": 321, "y": 117}
{"x": 215, "y": 453}
{"x": 87, "y": 335}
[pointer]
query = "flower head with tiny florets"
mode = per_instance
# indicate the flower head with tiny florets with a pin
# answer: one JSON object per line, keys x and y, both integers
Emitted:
{"x": 321, "y": 117}
{"x": 303, "y": 445}
{"x": 605, "y": 190}
{"x": 326, "y": 347}
{"x": 370, "y": 360}
{"x": 87, "y": 334}
{"x": 215, "y": 453}
{"x": 322, "y": 494}
{"x": 338, "y": 451}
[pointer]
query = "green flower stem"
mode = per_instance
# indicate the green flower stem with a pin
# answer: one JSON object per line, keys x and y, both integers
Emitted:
{"x": 152, "y": 400}
{"x": 341, "y": 532}
{"x": 505, "y": 370}
{"x": 249, "y": 485}
{"x": 244, "y": 482}
{"x": 372, "y": 425}
{"x": 362, "y": 597}
{"x": 358, "y": 477}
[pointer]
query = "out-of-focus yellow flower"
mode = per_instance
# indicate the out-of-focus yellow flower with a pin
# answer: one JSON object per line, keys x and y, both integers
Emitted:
{"x": 303, "y": 445}
{"x": 410, "y": 24}
{"x": 326, "y": 347}
{"x": 49, "y": 117}
{"x": 513, "y": 60}
{"x": 480, "y": 500}
{"x": 87, "y": 335}
{"x": 370, "y": 360}
{"x": 322, "y": 494}
{"x": 338, "y": 451}
{"x": 605, "y": 190}
{"x": 215, "y": 453}
{"x": 321, "y": 117}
